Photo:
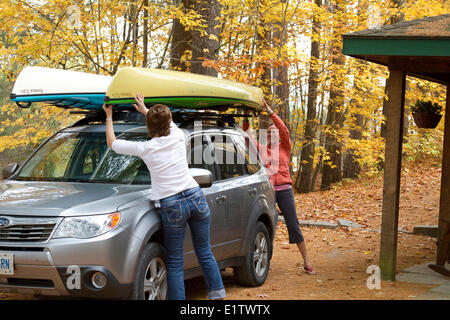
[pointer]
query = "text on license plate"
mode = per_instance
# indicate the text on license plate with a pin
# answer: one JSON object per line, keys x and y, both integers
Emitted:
{"x": 6, "y": 263}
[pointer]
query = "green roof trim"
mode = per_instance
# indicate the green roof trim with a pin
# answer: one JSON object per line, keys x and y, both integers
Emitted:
{"x": 188, "y": 102}
{"x": 396, "y": 47}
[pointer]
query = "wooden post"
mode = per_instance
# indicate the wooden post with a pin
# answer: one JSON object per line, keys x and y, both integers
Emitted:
{"x": 392, "y": 173}
{"x": 443, "y": 248}
{"x": 444, "y": 207}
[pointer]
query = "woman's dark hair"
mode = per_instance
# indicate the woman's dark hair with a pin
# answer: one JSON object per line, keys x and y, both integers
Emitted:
{"x": 158, "y": 120}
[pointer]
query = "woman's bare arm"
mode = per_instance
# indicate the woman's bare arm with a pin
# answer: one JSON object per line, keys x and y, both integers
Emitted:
{"x": 110, "y": 136}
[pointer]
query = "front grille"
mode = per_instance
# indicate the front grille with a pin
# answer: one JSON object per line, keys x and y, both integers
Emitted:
{"x": 27, "y": 229}
{"x": 26, "y": 232}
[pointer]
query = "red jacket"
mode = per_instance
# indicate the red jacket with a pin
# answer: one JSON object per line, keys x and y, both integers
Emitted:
{"x": 278, "y": 168}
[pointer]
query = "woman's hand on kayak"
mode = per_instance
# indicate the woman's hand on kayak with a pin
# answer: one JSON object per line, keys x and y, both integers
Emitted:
{"x": 266, "y": 107}
{"x": 140, "y": 105}
{"x": 108, "y": 111}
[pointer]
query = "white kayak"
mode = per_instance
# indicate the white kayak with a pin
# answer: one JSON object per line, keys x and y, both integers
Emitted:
{"x": 63, "y": 88}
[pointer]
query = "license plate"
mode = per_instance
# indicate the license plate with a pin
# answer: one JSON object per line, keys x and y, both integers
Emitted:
{"x": 6, "y": 263}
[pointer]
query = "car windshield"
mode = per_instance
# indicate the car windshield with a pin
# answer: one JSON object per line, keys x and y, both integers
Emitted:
{"x": 85, "y": 157}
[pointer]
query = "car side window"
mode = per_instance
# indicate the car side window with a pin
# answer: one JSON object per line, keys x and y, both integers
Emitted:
{"x": 200, "y": 155}
{"x": 251, "y": 157}
{"x": 229, "y": 161}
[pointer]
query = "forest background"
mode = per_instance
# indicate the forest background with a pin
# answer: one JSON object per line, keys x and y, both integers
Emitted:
{"x": 292, "y": 49}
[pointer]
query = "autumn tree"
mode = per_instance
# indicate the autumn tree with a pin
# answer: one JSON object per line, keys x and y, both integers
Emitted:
{"x": 304, "y": 177}
{"x": 289, "y": 48}
{"x": 180, "y": 44}
{"x": 205, "y": 41}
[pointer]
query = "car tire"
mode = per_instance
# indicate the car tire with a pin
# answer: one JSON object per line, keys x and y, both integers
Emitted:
{"x": 151, "y": 276}
{"x": 255, "y": 268}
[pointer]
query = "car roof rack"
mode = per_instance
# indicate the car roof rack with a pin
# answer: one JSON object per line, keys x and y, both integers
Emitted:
{"x": 186, "y": 118}
{"x": 98, "y": 116}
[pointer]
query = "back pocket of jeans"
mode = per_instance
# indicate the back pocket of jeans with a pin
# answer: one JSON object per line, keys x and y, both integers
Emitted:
{"x": 173, "y": 212}
{"x": 201, "y": 204}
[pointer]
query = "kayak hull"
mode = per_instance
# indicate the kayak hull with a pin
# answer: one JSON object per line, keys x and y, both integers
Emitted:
{"x": 86, "y": 101}
{"x": 180, "y": 89}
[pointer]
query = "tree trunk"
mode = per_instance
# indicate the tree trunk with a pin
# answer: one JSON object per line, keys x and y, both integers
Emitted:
{"x": 145, "y": 36}
{"x": 332, "y": 168}
{"x": 352, "y": 169}
{"x": 262, "y": 42}
{"x": 282, "y": 94}
{"x": 206, "y": 47}
{"x": 335, "y": 118}
{"x": 281, "y": 76}
{"x": 303, "y": 182}
{"x": 319, "y": 166}
{"x": 135, "y": 29}
{"x": 181, "y": 41}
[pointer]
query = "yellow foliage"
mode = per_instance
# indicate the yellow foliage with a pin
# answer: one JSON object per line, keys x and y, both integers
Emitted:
{"x": 256, "y": 38}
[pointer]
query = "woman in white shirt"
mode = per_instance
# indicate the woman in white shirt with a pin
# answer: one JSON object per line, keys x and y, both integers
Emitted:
{"x": 182, "y": 201}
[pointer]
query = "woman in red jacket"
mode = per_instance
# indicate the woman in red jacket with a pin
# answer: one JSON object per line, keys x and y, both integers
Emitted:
{"x": 276, "y": 158}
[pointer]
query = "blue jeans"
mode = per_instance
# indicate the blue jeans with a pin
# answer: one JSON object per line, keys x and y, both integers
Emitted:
{"x": 188, "y": 206}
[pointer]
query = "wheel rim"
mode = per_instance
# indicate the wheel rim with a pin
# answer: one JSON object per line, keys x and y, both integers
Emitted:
{"x": 155, "y": 281}
{"x": 261, "y": 254}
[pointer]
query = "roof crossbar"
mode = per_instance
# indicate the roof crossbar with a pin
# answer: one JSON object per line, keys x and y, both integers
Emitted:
{"x": 182, "y": 117}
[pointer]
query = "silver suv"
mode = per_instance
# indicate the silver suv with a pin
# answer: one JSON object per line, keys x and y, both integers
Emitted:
{"x": 76, "y": 219}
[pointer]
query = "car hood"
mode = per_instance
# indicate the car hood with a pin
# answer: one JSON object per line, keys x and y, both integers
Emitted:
{"x": 37, "y": 198}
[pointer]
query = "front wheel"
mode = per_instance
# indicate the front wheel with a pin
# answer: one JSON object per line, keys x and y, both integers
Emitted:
{"x": 151, "y": 276}
{"x": 254, "y": 271}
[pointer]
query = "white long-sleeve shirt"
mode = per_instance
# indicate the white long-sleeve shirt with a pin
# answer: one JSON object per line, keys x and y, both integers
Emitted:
{"x": 165, "y": 158}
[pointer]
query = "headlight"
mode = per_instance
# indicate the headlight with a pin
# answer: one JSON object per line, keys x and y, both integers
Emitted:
{"x": 87, "y": 226}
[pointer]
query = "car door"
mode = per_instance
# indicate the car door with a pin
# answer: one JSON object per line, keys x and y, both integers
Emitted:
{"x": 200, "y": 154}
{"x": 232, "y": 183}
{"x": 252, "y": 185}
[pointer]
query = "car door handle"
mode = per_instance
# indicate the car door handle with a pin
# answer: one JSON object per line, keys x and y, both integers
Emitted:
{"x": 252, "y": 191}
{"x": 221, "y": 199}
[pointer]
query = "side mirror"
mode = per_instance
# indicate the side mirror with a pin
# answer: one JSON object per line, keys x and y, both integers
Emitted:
{"x": 203, "y": 177}
{"x": 9, "y": 170}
